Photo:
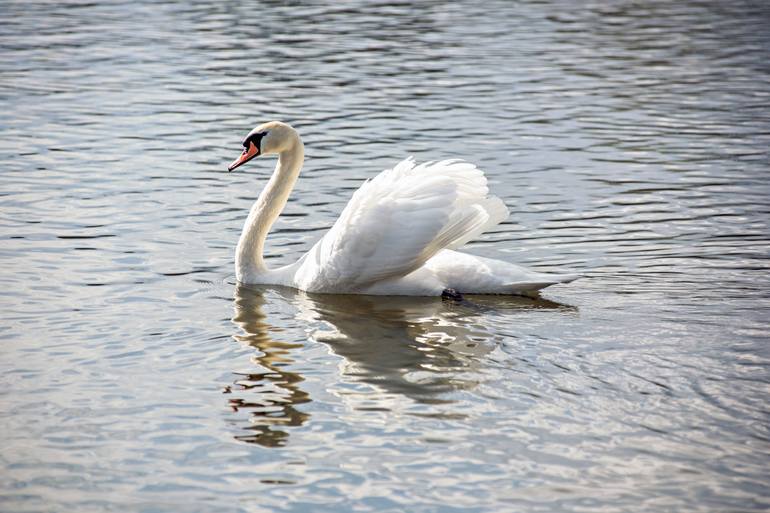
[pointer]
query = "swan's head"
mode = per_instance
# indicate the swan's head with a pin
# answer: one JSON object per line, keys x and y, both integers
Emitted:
{"x": 267, "y": 138}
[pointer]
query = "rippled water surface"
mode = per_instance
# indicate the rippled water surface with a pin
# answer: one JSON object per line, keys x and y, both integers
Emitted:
{"x": 630, "y": 140}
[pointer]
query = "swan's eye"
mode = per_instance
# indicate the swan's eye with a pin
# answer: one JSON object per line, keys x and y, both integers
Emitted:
{"x": 254, "y": 138}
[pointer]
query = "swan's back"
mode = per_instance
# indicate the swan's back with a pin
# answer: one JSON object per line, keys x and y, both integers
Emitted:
{"x": 397, "y": 221}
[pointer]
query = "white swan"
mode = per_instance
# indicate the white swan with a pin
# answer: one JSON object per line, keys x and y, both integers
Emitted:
{"x": 396, "y": 236}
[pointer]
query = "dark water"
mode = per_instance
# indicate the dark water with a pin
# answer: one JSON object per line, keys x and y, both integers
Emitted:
{"x": 630, "y": 140}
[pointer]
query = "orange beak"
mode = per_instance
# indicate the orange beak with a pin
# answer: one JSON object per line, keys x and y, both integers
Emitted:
{"x": 248, "y": 154}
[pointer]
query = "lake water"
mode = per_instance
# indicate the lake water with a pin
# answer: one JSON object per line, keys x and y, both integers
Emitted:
{"x": 629, "y": 139}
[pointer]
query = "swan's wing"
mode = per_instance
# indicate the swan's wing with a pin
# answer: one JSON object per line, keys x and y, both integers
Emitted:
{"x": 397, "y": 221}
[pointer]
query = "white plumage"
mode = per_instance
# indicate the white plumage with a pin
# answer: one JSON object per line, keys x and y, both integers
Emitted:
{"x": 396, "y": 236}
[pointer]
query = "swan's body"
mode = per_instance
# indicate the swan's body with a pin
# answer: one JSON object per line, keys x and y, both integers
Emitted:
{"x": 396, "y": 236}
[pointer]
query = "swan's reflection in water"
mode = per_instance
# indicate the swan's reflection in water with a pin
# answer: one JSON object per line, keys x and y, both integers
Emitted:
{"x": 421, "y": 348}
{"x": 276, "y": 390}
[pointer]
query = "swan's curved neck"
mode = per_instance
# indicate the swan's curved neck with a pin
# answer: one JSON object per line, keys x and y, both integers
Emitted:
{"x": 249, "y": 260}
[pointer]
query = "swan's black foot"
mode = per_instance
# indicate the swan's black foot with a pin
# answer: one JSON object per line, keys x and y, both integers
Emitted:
{"x": 451, "y": 294}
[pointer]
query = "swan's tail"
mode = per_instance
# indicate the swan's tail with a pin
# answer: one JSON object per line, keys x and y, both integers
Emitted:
{"x": 540, "y": 282}
{"x": 566, "y": 278}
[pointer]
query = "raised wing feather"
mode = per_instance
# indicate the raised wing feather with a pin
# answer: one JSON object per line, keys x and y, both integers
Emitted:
{"x": 397, "y": 221}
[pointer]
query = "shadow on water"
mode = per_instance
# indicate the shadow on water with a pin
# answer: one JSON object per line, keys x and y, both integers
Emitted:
{"x": 416, "y": 347}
